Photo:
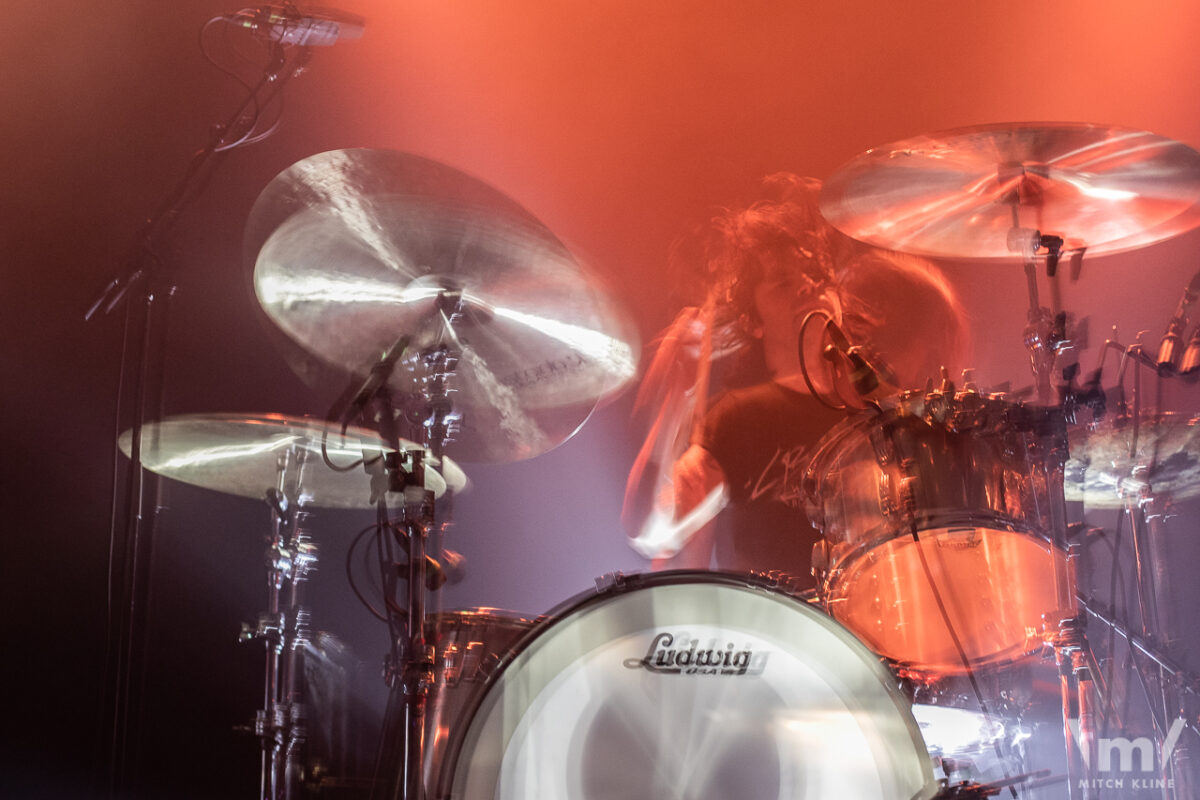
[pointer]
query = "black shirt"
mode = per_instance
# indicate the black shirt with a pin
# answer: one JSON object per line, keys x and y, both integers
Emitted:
{"x": 762, "y": 438}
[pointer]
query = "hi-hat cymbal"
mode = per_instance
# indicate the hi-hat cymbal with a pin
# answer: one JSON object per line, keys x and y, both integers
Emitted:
{"x": 952, "y": 194}
{"x": 1108, "y": 468}
{"x": 244, "y": 456}
{"x": 356, "y": 250}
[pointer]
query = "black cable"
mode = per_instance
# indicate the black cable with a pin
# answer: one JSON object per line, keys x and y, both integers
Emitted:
{"x": 1115, "y": 576}
{"x": 350, "y": 572}
{"x": 804, "y": 360}
{"x": 360, "y": 462}
{"x": 958, "y": 646}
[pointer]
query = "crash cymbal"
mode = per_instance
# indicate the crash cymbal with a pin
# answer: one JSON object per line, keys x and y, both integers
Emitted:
{"x": 952, "y": 194}
{"x": 242, "y": 455}
{"x": 1105, "y": 469}
{"x": 356, "y": 250}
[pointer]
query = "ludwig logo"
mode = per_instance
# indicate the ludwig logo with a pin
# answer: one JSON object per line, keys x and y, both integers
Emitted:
{"x": 673, "y": 654}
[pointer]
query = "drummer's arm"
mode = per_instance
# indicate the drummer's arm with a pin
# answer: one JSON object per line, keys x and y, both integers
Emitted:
{"x": 698, "y": 494}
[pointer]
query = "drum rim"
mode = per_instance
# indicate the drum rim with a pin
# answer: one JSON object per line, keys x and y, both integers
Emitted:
{"x": 641, "y": 581}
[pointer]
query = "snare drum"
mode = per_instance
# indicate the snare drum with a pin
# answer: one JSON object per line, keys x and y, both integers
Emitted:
{"x": 696, "y": 685}
{"x": 943, "y": 508}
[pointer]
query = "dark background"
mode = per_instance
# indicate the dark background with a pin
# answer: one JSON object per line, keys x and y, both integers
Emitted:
{"x": 616, "y": 123}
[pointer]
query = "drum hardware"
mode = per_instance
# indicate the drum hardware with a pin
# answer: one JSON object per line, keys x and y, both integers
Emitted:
{"x": 409, "y": 667}
{"x": 1165, "y": 686}
{"x": 1178, "y": 692}
{"x": 1139, "y": 462}
{"x": 281, "y": 724}
{"x": 310, "y": 464}
{"x": 973, "y": 791}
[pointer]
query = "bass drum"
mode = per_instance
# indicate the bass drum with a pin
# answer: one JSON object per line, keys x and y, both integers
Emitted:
{"x": 696, "y": 685}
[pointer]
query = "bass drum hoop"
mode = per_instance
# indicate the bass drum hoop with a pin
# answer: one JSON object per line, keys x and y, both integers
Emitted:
{"x": 906, "y": 753}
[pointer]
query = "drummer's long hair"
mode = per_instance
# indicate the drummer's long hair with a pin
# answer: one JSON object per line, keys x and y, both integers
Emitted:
{"x": 903, "y": 308}
{"x": 721, "y": 262}
{"x": 728, "y": 256}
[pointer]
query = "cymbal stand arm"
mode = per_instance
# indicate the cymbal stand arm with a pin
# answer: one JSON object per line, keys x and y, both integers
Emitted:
{"x": 1184, "y": 685}
{"x": 1187, "y": 682}
{"x": 1045, "y": 329}
{"x": 1154, "y": 584}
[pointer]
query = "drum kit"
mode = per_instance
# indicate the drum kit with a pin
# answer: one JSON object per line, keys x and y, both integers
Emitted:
{"x": 459, "y": 324}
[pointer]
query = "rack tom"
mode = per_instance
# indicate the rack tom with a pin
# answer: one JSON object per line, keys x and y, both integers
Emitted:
{"x": 943, "y": 520}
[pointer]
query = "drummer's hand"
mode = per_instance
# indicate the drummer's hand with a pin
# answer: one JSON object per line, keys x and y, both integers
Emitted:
{"x": 695, "y": 475}
{"x": 676, "y": 533}
{"x": 676, "y": 353}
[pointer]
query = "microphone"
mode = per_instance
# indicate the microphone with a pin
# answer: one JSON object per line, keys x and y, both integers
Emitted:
{"x": 864, "y": 377}
{"x": 1170, "y": 347}
{"x": 354, "y": 403}
{"x": 1191, "y": 355}
{"x": 288, "y": 25}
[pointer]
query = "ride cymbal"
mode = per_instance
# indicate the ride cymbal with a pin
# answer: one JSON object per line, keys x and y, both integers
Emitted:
{"x": 953, "y": 194}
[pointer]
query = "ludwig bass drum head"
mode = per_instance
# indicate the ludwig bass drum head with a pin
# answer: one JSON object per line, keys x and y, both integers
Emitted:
{"x": 697, "y": 686}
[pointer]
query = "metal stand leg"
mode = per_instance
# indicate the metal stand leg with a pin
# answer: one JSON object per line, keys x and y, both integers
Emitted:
{"x": 1079, "y": 719}
{"x": 281, "y": 723}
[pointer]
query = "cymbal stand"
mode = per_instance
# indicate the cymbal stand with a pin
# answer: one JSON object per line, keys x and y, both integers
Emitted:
{"x": 290, "y": 556}
{"x": 1148, "y": 515}
{"x": 1186, "y": 689}
{"x": 1077, "y": 685}
{"x": 410, "y": 666}
{"x": 1045, "y": 330}
{"x": 1165, "y": 684}
{"x": 1078, "y": 677}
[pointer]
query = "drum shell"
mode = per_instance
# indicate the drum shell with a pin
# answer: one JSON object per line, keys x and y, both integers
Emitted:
{"x": 968, "y": 490}
{"x": 469, "y": 645}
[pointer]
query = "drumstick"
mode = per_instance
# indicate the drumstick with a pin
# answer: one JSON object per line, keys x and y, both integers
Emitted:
{"x": 703, "y": 368}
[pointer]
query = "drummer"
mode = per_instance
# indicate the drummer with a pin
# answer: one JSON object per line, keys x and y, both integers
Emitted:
{"x": 725, "y": 492}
